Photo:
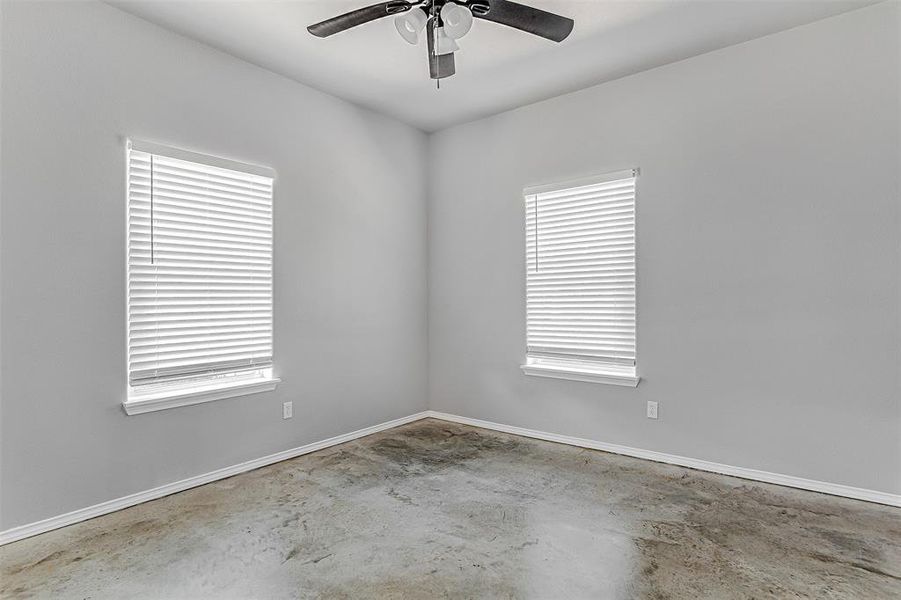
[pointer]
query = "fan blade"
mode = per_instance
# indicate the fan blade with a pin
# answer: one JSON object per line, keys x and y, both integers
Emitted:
{"x": 522, "y": 17}
{"x": 442, "y": 65}
{"x": 359, "y": 16}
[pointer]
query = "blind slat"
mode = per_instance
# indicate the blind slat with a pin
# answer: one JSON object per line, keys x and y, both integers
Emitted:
{"x": 198, "y": 325}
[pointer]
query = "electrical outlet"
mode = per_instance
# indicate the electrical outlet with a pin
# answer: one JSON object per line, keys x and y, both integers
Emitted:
{"x": 652, "y": 410}
{"x": 287, "y": 410}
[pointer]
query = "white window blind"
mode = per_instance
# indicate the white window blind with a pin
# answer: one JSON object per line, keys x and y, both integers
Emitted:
{"x": 199, "y": 268}
{"x": 580, "y": 274}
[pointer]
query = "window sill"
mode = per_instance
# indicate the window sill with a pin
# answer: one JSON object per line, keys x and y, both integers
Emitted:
{"x": 149, "y": 402}
{"x": 610, "y": 376}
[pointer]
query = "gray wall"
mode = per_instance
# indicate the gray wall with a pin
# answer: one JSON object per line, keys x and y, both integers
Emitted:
{"x": 350, "y": 256}
{"x": 768, "y": 255}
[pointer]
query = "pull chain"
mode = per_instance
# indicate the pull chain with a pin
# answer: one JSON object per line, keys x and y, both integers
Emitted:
{"x": 536, "y": 233}
{"x": 152, "y": 175}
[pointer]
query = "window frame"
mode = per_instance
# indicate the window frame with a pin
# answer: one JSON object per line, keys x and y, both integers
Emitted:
{"x": 569, "y": 368}
{"x": 161, "y": 396}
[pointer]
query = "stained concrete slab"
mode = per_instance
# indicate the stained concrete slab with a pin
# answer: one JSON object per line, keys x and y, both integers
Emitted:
{"x": 434, "y": 509}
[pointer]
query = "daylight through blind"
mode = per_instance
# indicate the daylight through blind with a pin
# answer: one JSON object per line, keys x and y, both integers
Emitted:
{"x": 580, "y": 262}
{"x": 199, "y": 269}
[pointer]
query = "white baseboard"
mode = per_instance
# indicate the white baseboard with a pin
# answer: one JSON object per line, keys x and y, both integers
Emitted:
{"x": 24, "y": 531}
{"x": 824, "y": 487}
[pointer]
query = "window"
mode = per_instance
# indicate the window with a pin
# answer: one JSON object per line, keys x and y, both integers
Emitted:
{"x": 580, "y": 280}
{"x": 199, "y": 278}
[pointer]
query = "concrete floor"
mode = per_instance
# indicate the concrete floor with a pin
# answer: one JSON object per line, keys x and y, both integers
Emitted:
{"x": 435, "y": 509}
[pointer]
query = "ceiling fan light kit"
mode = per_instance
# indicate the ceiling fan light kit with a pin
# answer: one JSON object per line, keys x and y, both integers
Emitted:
{"x": 445, "y": 44}
{"x": 410, "y": 25}
{"x": 446, "y": 21}
{"x": 457, "y": 20}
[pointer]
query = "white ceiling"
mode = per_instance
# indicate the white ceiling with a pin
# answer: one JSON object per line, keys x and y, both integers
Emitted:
{"x": 497, "y": 67}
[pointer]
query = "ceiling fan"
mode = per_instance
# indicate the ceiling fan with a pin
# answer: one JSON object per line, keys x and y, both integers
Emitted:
{"x": 446, "y": 21}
